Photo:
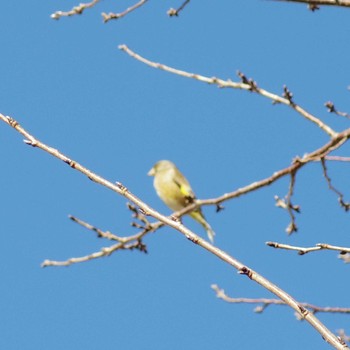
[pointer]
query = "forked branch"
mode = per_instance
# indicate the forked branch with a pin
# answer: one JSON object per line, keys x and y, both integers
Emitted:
{"x": 329, "y": 337}
{"x": 245, "y": 84}
{"x": 263, "y": 303}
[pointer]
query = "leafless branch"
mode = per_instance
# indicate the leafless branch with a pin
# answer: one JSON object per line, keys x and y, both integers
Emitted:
{"x": 175, "y": 12}
{"x": 343, "y": 204}
{"x": 101, "y": 234}
{"x": 331, "y": 109}
{"x": 143, "y": 222}
{"x": 264, "y": 303}
{"x": 316, "y": 3}
{"x": 77, "y": 10}
{"x": 296, "y": 165}
{"x": 125, "y": 243}
{"x": 327, "y": 335}
{"x": 246, "y": 84}
{"x": 338, "y": 158}
{"x": 108, "y": 16}
{"x": 287, "y": 205}
{"x": 304, "y": 250}
{"x": 104, "y": 252}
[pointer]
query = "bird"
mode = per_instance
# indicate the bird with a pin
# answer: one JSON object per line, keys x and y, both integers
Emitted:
{"x": 175, "y": 191}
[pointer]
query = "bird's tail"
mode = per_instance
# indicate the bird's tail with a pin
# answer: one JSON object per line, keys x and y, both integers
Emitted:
{"x": 199, "y": 217}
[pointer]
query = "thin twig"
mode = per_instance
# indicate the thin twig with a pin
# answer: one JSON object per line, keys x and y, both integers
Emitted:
{"x": 331, "y": 109}
{"x": 126, "y": 243}
{"x": 287, "y": 205}
{"x": 99, "y": 232}
{"x": 136, "y": 214}
{"x": 104, "y": 252}
{"x": 175, "y": 12}
{"x": 343, "y": 204}
{"x": 297, "y": 164}
{"x": 338, "y": 158}
{"x": 108, "y": 16}
{"x": 327, "y": 335}
{"x": 305, "y": 250}
{"x": 312, "y": 3}
{"x": 264, "y": 303}
{"x": 77, "y": 10}
{"x": 244, "y": 85}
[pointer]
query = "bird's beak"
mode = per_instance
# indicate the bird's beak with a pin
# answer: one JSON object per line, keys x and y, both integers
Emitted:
{"x": 151, "y": 172}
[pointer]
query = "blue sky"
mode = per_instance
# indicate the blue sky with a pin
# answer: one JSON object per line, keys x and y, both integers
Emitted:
{"x": 68, "y": 84}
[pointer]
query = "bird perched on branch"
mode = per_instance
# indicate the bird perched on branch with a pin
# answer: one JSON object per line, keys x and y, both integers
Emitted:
{"x": 175, "y": 191}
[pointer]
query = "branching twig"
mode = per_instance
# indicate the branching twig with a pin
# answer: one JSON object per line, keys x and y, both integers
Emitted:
{"x": 145, "y": 224}
{"x": 293, "y": 168}
{"x": 264, "y": 303}
{"x": 327, "y": 335}
{"x": 331, "y": 109}
{"x": 297, "y": 164}
{"x": 343, "y": 204}
{"x": 244, "y": 85}
{"x": 175, "y": 12}
{"x": 106, "y": 251}
{"x": 125, "y": 243}
{"x": 119, "y": 188}
{"x": 108, "y": 16}
{"x": 77, "y": 10}
{"x": 304, "y": 250}
{"x": 100, "y": 233}
{"x": 287, "y": 205}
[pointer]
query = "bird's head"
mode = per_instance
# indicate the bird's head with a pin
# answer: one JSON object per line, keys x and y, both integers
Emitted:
{"x": 162, "y": 165}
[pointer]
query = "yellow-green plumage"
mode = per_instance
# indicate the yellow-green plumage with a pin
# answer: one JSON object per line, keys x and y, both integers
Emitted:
{"x": 175, "y": 191}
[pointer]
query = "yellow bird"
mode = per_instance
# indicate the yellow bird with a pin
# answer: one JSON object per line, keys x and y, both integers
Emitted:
{"x": 175, "y": 191}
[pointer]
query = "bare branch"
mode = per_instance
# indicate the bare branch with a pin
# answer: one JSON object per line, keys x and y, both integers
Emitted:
{"x": 287, "y": 205}
{"x": 111, "y": 15}
{"x": 190, "y": 235}
{"x": 338, "y": 158}
{"x": 304, "y": 250}
{"x": 144, "y": 223}
{"x": 343, "y": 204}
{"x": 104, "y": 252}
{"x": 297, "y": 164}
{"x": 315, "y": 3}
{"x": 100, "y": 233}
{"x": 126, "y": 243}
{"x": 175, "y": 12}
{"x": 77, "y": 10}
{"x": 244, "y": 85}
{"x": 264, "y": 303}
{"x": 331, "y": 109}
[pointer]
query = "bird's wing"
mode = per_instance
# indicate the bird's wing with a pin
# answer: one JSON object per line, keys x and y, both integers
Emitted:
{"x": 186, "y": 190}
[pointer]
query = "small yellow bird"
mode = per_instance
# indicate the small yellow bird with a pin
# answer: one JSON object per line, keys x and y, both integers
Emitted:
{"x": 175, "y": 191}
